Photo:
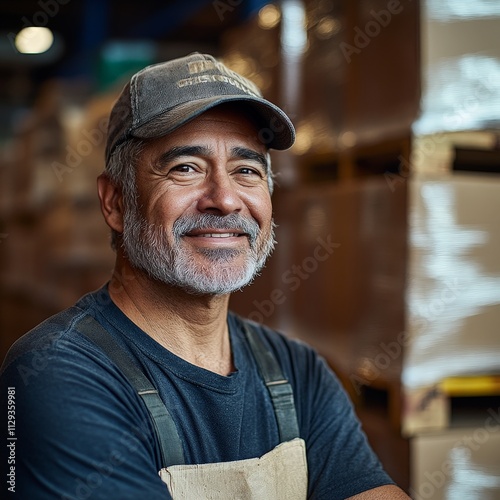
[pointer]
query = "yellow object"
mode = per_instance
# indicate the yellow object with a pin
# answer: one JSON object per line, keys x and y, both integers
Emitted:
{"x": 483, "y": 385}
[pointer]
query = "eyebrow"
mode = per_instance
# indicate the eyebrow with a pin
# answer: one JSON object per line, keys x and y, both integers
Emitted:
{"x": 179, "y": 151}
{"x": 236, "y": 153}
{"x": 249, "y": 154}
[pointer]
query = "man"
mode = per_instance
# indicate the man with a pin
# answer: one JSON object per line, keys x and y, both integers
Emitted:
{"x": 149, "y": 388}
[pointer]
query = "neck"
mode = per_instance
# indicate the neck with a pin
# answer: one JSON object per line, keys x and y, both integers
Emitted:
{"x": 194, "y": 327}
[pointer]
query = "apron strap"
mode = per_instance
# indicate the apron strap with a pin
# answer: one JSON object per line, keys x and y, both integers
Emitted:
{"x": 168, "y": 438}
{"x": 278, "y": 386}
{"x": 166, "y": 432}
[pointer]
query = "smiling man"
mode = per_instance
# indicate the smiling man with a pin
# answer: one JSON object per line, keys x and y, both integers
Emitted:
{"x": 149, "y": 388}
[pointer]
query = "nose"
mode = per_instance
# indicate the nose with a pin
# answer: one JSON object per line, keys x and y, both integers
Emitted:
{"x": 220, "y": 195}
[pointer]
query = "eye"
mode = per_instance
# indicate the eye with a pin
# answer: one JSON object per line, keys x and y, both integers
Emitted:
{"x": 249, "y": 171}
{"x": 184, "y": 169}
{"x": 249, "y": 176}
{"x": 184, "y": 172}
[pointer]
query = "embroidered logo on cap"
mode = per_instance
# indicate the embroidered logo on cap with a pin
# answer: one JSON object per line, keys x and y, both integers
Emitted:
{"x": 226, "y": 76}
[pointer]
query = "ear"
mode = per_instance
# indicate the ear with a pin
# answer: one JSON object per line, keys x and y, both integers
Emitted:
{"x": 111, "y": 199}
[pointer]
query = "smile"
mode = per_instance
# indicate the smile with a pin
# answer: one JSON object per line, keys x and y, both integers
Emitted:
{"x": 218, "y": 235}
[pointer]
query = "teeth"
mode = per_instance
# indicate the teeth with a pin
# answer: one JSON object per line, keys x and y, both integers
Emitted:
{"x": 218, "y": 235}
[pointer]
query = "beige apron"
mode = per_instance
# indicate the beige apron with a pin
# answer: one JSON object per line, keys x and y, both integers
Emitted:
{"x": 280, "y": 474}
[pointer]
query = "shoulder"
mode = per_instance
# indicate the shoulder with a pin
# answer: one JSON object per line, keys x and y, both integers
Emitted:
{"x": 50, "y": 341}
{"x": 323, "y": 406}
{"x": 74, "y": 406}
{"x": 33, "y": 350}
{"x": 55, "y": 354}
{"x": 288, "y": 351}
{"x": 56, "y": 370}
{"x": 57, "y": 330}
{"x": 340, "y": 461}
{"x": 306, "y": 370}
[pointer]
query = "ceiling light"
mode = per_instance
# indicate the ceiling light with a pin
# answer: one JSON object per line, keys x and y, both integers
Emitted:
{"x": 34, "y": 40}
{"x": 269, "y": 16}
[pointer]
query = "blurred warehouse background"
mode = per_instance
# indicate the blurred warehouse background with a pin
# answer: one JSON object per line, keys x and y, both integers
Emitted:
{"x": 388, "y": 205}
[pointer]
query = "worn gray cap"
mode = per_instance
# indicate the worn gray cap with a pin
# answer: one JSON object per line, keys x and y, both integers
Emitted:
{"x": 163, "y": 97}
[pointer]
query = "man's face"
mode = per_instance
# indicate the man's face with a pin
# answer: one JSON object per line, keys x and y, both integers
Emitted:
{"x": 203, "y": 217}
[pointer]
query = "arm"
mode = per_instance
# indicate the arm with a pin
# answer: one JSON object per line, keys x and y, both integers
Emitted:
{"x": 382, "y": 493}
{"x": 80, "y": 432}
{"x": 341, "y": 463}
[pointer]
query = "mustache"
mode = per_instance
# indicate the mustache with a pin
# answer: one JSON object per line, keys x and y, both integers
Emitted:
{"x": 229, "y": 223}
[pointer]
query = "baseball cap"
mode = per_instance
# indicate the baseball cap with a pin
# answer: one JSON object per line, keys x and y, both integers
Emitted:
{"x": 162, "y": 97}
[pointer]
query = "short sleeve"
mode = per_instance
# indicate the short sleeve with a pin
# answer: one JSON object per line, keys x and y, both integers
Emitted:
{"x": 80, "y": 429}
{"x": 340, "y": 460}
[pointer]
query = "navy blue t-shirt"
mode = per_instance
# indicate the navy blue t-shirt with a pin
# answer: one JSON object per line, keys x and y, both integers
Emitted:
{"x": 82, "y": 432}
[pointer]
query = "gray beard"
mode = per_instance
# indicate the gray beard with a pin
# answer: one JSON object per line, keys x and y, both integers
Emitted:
{"x": 149, "y": 250}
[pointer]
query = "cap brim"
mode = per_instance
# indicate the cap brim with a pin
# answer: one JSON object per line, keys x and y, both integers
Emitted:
{"x": 276, "y": 132}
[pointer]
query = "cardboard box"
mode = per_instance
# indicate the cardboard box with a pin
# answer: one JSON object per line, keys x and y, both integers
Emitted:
{"x": 453, "y": 293}
{"x": 461, "y": 463}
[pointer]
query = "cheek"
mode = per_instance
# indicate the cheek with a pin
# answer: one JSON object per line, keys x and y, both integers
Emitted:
{"x": 165, "y": 208}
{"x": 262, "y": 211}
